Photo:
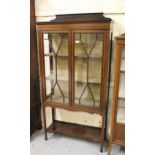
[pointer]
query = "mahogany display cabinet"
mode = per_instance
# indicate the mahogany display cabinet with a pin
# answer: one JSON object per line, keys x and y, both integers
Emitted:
{"x": 73, "y": 53}
{"x": 118, "y": 103}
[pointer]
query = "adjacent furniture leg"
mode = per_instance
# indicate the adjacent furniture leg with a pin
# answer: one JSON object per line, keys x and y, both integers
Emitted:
{"x": 122, "y": 147}
{"x": 44, "y": 121}
{"x": 110, "y": 148}
{"x": 101, "y": 148}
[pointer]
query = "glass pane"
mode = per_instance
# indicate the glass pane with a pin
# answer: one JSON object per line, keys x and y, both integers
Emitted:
{"x": 121, "y": 93}
{"x": 123, "y": 53}
{"x": 88, "y": 48}
{"x": 56, "y": 66}
{"x": 121, "y": 111}
{"x": 122, "y": 68}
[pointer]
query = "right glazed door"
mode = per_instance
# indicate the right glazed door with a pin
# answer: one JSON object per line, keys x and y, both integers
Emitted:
{"x": 88, "y": 62}
{"x": 121, "y": 91}
{"x": 120, "y": 104}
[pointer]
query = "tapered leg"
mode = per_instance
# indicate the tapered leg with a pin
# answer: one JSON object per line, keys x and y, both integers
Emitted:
{"x": 122, "y": 147}
{"x": 44, "y": 121}
{"x": 102, "y": 140}
{"x": 102, "y": 136}
{"x": 101, "y": 148}
{"x": 110, "y": 148}
{"x": 53, "y": 118}
{"x": 53, "y": 114}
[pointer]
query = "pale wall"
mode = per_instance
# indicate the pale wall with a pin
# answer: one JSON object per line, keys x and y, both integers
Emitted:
{"x": 115, "y": 9}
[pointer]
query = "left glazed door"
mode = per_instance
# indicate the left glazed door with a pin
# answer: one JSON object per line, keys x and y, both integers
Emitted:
{"x": 56, "y": 66}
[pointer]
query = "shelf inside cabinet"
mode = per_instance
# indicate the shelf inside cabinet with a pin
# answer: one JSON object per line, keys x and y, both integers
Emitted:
{"x": 78, "y": 79}
{"x": 121, "y": 98}
{"x": 121, "y": 103}
{"x": 121, "y": 91}
{"x": 76, "y": 56}
{"x": 57, "y": 98}
{"x": 122, "y": 71}
{"x": 80, "y": 131}
{"x": 95, "y": 56}
{"x": 121, "y": 115}
{"x": 87, "y": 101}
{"x": 122, "y": 67}
{"x": 59, "y": 54}
{"x": 121, "y": 110}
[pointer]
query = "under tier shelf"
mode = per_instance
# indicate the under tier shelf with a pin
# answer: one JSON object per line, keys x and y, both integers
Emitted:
{"x": 80, "y": 131}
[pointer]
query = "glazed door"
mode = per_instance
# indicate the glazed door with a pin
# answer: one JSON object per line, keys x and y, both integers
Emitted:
{"x": 121, "y": 91}
{"x": 120, "y": 110}
{"x": 56, "y": 66}
{"x": 88, "y": 59}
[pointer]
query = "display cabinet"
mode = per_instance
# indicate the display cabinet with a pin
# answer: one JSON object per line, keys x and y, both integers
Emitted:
{"x": 73, "y": 64}
{"x": 118, "y": 103}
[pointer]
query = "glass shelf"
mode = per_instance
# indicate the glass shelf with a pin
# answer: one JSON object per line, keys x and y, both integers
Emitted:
{"x": 91, "y": 57}
{"x": 63, "y": 54}
{"x": 76, "y": 56}
{"x": 84, "y": 101}
{"x": 87, "y": 101}
{"x": 78, "y": 79}
{"x": 57, "y": 99}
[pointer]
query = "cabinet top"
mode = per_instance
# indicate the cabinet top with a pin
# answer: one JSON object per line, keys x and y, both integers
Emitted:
{"x": 78, "y": 18}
